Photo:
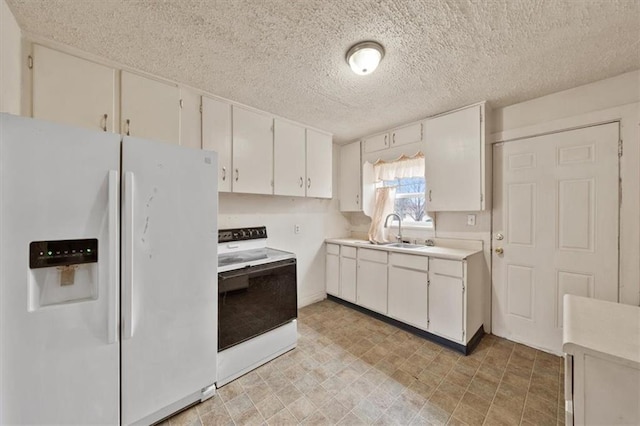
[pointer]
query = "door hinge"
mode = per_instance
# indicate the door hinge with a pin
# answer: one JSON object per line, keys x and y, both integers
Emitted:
{"x": 463, "y": 333}
{"x": 620, "y": 148}
{"x": 481, "y": 197}
{"x": 463, "y": 288}
{"x": 480, "y": 116}
{"x": 200, "y": 108}
{"x": 620, "y": 191}
{"x": 30, "y": 62}
{"x": 181, "y": 103}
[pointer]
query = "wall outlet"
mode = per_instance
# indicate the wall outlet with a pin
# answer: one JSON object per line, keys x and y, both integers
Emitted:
{"x": 471, "y": 220}
{"x": 296, "y": 229}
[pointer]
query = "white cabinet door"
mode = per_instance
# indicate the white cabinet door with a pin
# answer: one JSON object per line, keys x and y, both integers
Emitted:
{"x": 348, "y": 279}
{"x": 319, "y": 164}
{"x": 446, "y": 306}
{"x": 350, "y": 178}
{"x": 408, "y": 296}
{"x": 454, "y": 153}
{"x": 372, "y": 285}
{"x": 406, "y": 135}
{"x": 376, "y": 142}
{"x": 190, "y": 119}
{"x": 332, "y": 275}
{"x": 150, "y": 109}
{"x": 73, "y": 91}
{"x": 216, "y": 136}
{"x": 289, "y": 156}
{"x": 252, "y": 152}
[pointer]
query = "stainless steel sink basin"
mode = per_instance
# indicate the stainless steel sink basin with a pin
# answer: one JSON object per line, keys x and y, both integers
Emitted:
{"x": 405, "y": 245}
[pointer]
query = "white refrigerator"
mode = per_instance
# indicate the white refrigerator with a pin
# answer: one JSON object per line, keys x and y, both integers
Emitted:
{"x": 108, "y": 260}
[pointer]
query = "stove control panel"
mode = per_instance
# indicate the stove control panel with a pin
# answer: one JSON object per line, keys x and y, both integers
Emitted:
{"x": 242, "y": 234}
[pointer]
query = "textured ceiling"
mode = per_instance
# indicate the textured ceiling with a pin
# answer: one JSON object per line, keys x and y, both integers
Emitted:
{"x": 287, "y": 56}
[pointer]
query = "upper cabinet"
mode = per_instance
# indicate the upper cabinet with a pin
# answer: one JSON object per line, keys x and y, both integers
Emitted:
{"x": 350, "y": 178}
{"x": 319, "y": 164}
{"x": 256, "y": 154}
{"x": 216, "y": 136}
{"x": 289, "y": 156}
{"x": 252, "y": 152}
{"x": 73, "y": 91}
{"x": 457, "y": 169}
{"x": 404, "y": 135}
{"x": 190, "y": 119}
{"x": 150, "y": 108}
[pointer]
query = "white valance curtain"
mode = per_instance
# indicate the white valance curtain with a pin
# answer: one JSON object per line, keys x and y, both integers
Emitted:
{"x": 402, "y": 167}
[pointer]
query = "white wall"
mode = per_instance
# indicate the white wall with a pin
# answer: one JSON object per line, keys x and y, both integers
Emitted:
{"x": 10, "y": 47}
{"x": 318, "y": 219}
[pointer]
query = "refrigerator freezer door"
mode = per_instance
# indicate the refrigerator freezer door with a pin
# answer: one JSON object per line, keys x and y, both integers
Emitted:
{"x": 59, "y": 354}
{"x": 169, "y": 279}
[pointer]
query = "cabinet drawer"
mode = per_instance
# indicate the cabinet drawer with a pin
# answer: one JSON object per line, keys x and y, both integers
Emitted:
{"x": 421, "y": 263}
{"x": 378, "y": 256}
{"x": 452, "y": 268}
{"x": 333, "y": 249}
{"x": 349, "y": 252}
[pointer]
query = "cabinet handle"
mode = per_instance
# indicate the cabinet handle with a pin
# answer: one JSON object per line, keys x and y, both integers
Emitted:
{"x": 308, "y": 182}
{"x": 394, "y": 138}
{"x": 104, "y": 122}
{"x": 429, "y": 195}
{"x": 128, "y": 125}
{"x": 224, "y": 174}
{"x": 237, "y": 175}
{"x": 385, "y": 139}
{"x": 301, "y": 182}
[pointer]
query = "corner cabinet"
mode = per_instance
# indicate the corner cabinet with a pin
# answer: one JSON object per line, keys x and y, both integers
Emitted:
{"x": 439, "y": 299}
{"x": 457, "y": 167}
{"x": 252, "y": 152}
{"x": 350, "y": 178}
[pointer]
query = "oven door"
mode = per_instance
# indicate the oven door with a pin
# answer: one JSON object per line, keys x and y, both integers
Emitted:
{"x": 254, "y": 300}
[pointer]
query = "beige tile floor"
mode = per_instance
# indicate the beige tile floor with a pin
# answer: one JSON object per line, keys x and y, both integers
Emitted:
{"x": 351, "y": 369}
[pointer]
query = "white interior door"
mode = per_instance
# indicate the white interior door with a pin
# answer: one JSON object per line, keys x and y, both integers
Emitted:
{"x": 169, "y": 284}
{"x": 555, "y": 216}
{"x": 59, "y": 352}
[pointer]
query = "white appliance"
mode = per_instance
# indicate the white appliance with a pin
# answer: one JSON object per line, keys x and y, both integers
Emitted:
{"x": 107, "y": 315}
{"x": 257, "y": 302}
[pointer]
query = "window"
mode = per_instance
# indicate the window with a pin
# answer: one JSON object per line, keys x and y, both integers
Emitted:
{"x": 409, "y": 200}
{"x": 406, "y": 175}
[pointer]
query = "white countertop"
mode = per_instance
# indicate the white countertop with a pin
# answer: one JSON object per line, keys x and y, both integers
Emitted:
{"x": 437, "y": 251}
{"x": 609, "y": 328}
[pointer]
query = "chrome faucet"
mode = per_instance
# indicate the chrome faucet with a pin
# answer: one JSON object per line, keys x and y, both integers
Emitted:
{"x": 399, "y": 236}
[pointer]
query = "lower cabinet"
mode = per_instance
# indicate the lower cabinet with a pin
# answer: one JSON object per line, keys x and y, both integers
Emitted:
{"x": 332, "y": 269}
{"x": 372, "y": 280}
{"x": 446, "y": 298}
{"x": 348, "y": 274}
{"x": 443, "y": 297}
{"x": 408, "y": 278}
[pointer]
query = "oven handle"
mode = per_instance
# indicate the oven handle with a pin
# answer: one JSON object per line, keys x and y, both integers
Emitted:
{"x": 258, "y": 268}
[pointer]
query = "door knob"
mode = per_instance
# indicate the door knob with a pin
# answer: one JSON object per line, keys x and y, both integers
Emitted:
{"x": 499, "y": 250}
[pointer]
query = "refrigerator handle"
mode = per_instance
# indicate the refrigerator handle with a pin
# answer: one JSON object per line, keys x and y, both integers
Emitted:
{"x": 114, "y": 268}
{"x": 127, "y": 288}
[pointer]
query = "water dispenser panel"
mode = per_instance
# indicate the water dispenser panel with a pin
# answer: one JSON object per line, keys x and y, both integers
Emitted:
{"x": 45, "y": 254}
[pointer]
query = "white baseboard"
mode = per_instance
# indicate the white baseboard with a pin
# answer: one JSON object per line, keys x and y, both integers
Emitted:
{"x": 312, "y": 299}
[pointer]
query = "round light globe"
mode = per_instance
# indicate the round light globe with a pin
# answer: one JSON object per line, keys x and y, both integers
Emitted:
{"x": 363, "y": 58}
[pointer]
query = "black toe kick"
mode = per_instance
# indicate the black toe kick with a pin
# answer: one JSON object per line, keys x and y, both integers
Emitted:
{"x": 465, "y": 350}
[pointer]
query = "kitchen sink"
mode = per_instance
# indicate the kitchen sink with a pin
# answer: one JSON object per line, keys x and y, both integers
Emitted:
{"x": 405, "y": 245}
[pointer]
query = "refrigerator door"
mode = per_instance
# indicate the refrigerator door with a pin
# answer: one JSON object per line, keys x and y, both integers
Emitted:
{"x": 59, "y": 351}
{"x": 169, "y": 279}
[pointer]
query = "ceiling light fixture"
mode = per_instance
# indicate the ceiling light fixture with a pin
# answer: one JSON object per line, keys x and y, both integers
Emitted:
{"x": 364, "y": 57}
